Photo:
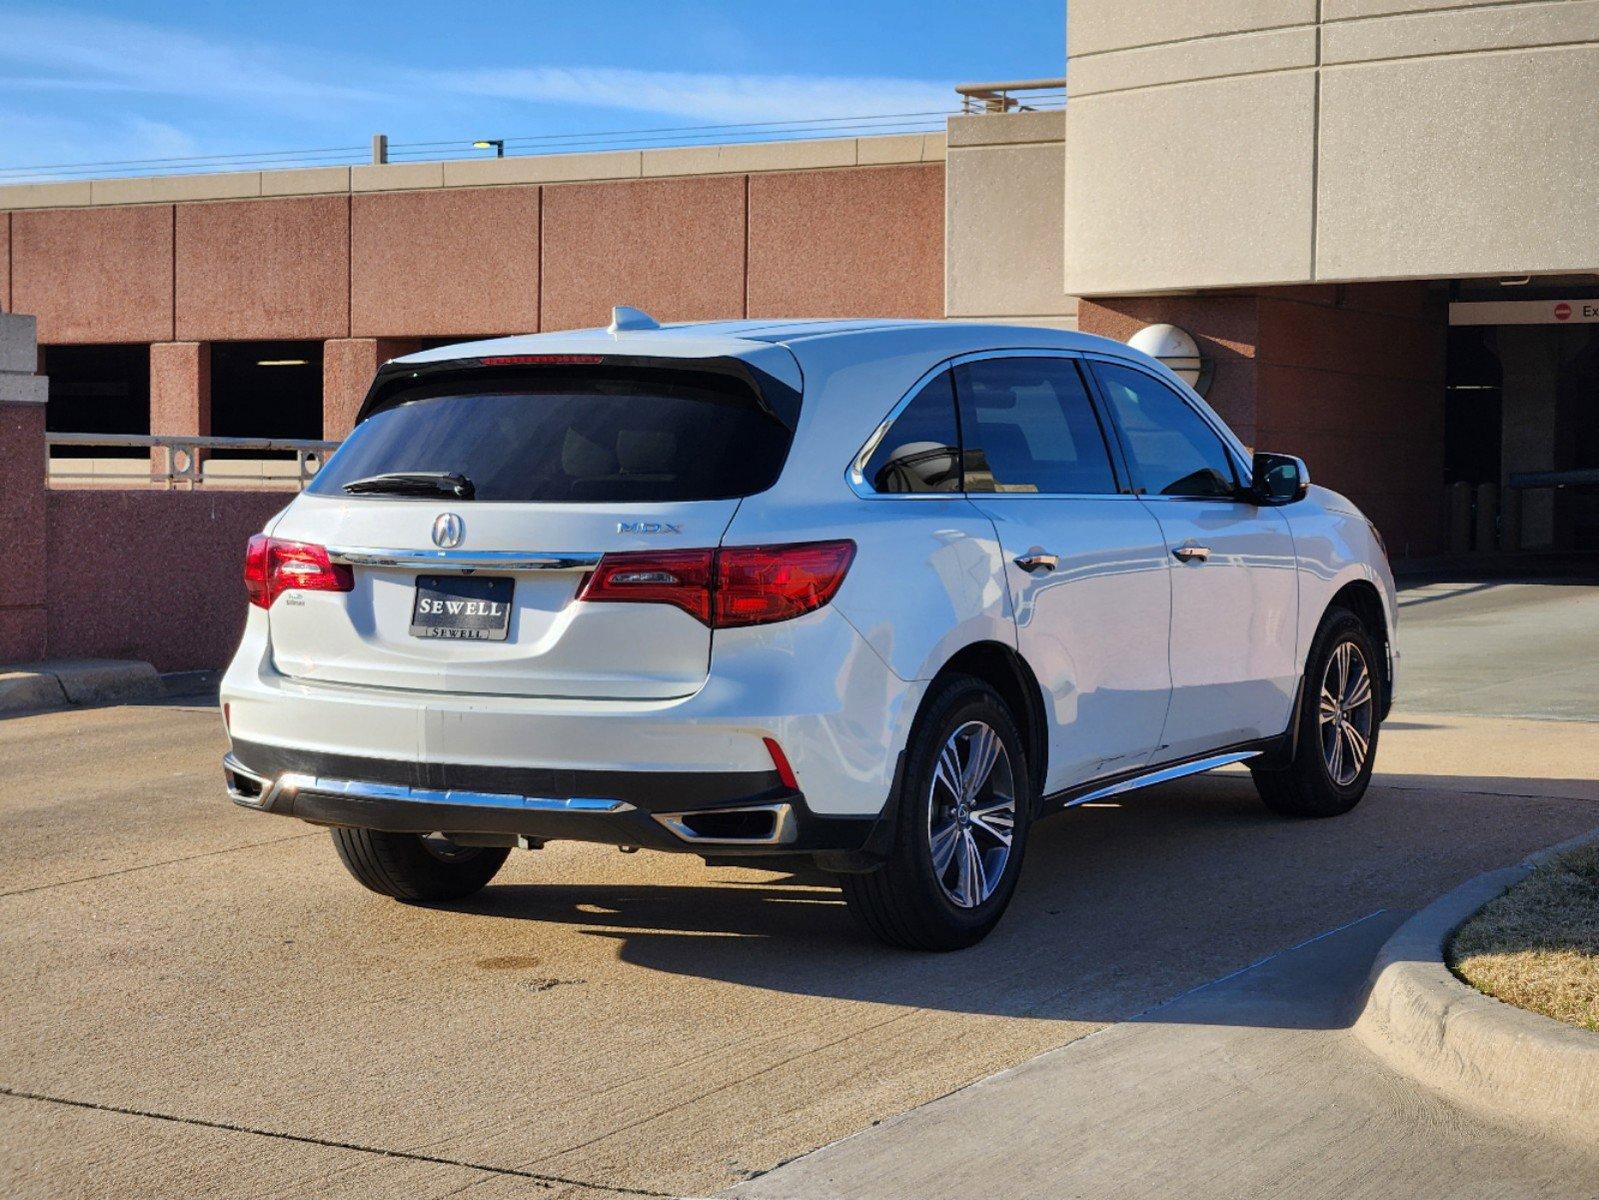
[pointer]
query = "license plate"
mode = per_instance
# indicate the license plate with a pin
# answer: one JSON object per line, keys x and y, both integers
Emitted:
{"x": 463, "y": 607}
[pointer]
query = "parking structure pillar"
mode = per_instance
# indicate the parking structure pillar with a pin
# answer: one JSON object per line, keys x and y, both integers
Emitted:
{"x": 180, "y": 393}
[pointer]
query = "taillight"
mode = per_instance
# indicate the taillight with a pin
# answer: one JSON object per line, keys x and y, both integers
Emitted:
{"x": 737, "y": 585}
{"x": 759, "y": 584}
{"x": 273, "y": 566}
{"x": 678, "y": 577}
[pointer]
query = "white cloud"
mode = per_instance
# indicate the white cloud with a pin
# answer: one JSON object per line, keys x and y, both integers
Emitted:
{"x": 704, "y": 96}
{"x": 28, "y": 138}
{"x": 85, "y": 87}
{"x": 74, "y": 52}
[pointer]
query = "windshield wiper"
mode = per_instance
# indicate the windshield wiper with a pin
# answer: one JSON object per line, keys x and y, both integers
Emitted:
{"x": 414, "y": 483}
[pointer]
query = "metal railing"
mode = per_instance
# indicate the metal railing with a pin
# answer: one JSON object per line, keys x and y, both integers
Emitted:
{"x": 1042, "y": 95}
{"x": 179, "y": 461}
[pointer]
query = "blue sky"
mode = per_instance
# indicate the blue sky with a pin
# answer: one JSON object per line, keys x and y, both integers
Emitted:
{"x": 145, "y": 79}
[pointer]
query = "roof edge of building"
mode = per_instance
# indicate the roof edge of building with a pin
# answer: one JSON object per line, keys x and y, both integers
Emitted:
{"x": 882, "y": 150}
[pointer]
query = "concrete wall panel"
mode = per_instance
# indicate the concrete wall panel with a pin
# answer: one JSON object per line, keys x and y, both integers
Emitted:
{"x": 348, "y": 365}
{"x": 673, "y": 247}
{"x": 1480, "y": 164}
{"x": 180, "y": 389}
{"x": 1158, "y": 179}
{"x": 1099, "y": 25}
{"x": 868, "y": 241}
{"x": 1336, "y": 375}
{"x": 1459, "y": 30}
{"x": 1344, "y": 10}
{"x": 1445, "y": 138}
{"x": 94, "y": 275}
{"x": 1003, "y": 214}
{"x": 263, "y": 269}
{"x": 1182, "y": 62}
{"x": 193, "y": 542}
{"x": 24, "y": 623}
{"x": 445, "y": 263}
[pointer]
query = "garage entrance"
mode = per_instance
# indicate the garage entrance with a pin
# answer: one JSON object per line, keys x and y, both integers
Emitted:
{"x": 1521, "y": 422}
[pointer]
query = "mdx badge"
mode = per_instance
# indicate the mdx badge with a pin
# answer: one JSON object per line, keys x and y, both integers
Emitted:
{"x": 647, "y": 527}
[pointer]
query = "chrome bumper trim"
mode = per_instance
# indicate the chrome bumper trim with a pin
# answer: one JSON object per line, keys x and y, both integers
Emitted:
{"x": 466, "y": 560}
{"x": 291, "y": 784}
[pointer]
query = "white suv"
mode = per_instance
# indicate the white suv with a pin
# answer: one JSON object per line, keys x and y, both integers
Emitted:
{"x": 875, "y": 593}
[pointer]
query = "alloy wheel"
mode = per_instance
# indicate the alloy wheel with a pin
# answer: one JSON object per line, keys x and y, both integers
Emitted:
{"x": 1347, "y": 708}
{"x": 971, "y": 814}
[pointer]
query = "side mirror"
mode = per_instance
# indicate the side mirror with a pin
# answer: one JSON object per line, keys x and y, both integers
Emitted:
{"x": 1278, "y": 479}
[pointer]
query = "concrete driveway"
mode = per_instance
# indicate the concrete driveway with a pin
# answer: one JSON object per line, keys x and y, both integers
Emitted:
{"x": 197, "y": 998}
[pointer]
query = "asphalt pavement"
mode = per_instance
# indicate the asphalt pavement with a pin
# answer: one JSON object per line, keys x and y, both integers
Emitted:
{"x": 197, "y": 998}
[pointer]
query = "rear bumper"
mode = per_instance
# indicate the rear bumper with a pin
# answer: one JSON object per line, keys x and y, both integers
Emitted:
{"x": 812, "y": 684}
{"x": 717, "y": 814}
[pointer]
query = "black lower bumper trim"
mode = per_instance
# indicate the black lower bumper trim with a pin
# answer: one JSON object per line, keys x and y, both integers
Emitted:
{"x": 652, "y": 791}
{"x": 640, "y": 796}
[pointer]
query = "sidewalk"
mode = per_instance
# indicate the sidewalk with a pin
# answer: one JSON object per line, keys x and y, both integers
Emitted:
{"x": 1248, "y": 1086}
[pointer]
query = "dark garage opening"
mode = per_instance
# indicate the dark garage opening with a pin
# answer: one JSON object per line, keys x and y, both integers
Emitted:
{"x": 266, "y": 390}
{"x": 98, "y": 389}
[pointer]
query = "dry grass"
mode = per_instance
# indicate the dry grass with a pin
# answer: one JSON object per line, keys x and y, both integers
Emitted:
{"x": 1537, "y": 946}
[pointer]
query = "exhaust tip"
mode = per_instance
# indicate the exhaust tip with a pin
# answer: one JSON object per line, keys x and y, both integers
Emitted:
{"x": 753, "y": 825}
{"x": 244, "y": 787}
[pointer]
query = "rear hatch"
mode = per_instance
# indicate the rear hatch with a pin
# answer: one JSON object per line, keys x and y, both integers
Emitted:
{"x": 471, "y": 502}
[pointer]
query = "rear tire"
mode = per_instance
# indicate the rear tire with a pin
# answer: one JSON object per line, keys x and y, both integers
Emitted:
{"x": 1336, "y": 740}
{"x": 961, "y": 829}
{"x": 408, "y": 866}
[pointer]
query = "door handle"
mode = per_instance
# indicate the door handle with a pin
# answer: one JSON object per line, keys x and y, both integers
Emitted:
{"x": 1192, "y": 553}
{"x": 1037, "y": 560}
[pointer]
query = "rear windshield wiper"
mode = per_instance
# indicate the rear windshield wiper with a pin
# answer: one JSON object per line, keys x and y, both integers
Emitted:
{"x": 414, "y": 483}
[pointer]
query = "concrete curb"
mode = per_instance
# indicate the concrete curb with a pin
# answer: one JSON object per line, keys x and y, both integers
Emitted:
{"x": 1484, "y": 1054}
{"x": 35, "y": 687}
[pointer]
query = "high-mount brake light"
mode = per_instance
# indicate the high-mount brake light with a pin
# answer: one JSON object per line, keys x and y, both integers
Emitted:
{"x": 273, "y": 566}
{"x": 729, "y": 587}
{"x": 542, "y": 360}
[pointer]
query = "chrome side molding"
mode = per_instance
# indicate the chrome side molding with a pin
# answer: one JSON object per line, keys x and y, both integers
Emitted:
{"x": 289, "y": 784}
{"x": 1163, "y": 775}
{"x": 466, "y": 560}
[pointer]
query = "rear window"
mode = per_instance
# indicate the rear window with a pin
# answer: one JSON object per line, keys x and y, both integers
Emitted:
{"x": 573, "y": 437}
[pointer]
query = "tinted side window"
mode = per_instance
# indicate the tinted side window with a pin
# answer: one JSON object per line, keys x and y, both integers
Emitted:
{"x": 1029, "y": 426}
{"x": 1172, "y": 451}
{"x": 921, "y": 450}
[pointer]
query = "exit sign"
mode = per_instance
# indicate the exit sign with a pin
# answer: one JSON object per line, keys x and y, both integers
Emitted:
{"x": 1525, "y": 312}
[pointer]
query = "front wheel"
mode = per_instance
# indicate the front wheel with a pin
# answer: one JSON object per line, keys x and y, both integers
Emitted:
{"x": 1336, "y": 738}
{"x": 416, "y": 867}
{"x": 963, "y": 814}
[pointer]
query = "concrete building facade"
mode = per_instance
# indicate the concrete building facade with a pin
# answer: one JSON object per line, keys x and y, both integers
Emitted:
{"x": 1326, "y": 193}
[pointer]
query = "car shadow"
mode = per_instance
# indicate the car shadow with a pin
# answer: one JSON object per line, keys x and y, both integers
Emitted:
{"x": 1121, "y": 906}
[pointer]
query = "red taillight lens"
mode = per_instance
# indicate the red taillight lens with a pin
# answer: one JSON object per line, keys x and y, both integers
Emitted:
{"x": 740, "y": 585}
{"x": 273, "y": 566}
{"x": 542, "y": 360}
{"x": 785, "y": 773}
{"x": 677, "y": 577}
{"x": 759, "y": 584}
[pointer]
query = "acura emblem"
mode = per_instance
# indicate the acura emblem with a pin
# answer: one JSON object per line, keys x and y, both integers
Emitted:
{"x": 448, "y": 530}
